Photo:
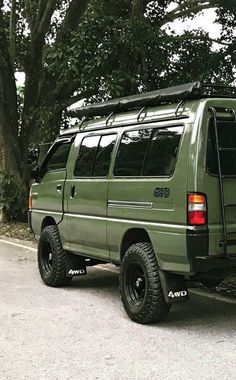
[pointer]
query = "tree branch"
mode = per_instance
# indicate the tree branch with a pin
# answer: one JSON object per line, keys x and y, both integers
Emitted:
{"x": 46, "y": 10}
{"x": 187, "y": 9}
{"x": 71, "y": 23}
{"x": 73, "y": 17}
{"x": 200, "y": 38}
{"x": 138, "y": 7}
{"x": 77, "y": 98}
{"x": 28, "y": 11}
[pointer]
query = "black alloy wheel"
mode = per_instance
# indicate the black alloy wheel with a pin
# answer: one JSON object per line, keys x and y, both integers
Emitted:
{"x": 136, "y": 284}
{"x": 47, "y": 257}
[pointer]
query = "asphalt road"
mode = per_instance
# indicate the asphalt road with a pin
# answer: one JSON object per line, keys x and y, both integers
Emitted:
{"x": 82, "y": 332}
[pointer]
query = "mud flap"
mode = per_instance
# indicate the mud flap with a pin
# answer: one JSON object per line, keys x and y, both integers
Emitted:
{"x": 174, "y": 287}
{"x": 75, "y": 265}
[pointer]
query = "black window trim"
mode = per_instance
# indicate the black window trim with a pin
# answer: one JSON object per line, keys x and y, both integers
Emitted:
{"x": 147, "y": 149}
{"x": 108, "y": 133}
{"x": 59, "y": 141}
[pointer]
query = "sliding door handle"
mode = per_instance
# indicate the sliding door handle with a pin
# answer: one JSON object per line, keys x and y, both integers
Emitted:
{"x": 72, "y": 192}
{"x": 59, "y": 188}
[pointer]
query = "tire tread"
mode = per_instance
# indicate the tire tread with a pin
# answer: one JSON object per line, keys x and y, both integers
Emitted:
{"x": 58, "y": 276}
{"x": 154, "y": 308}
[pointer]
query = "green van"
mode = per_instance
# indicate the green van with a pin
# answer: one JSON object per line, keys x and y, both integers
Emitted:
{"x": 147, "y": 182}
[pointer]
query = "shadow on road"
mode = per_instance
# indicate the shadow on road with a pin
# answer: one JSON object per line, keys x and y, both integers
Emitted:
{"x": 200, "y": 312}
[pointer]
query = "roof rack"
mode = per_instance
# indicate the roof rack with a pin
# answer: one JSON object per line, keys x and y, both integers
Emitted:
{"x": 193, "y": 90}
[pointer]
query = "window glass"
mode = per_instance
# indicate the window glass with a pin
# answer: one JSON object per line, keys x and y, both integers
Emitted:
{"x": 85, "y": 159}
{"x": 162, "y": 152}
{"x": 227, "y": 139}
{"x": 131, "y": 154}
{"x": 103, "y": 156}
{"x": 58, "y": 157}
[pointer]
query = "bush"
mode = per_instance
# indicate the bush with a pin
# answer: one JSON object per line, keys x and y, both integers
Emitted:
{"x": 13, "y": 197}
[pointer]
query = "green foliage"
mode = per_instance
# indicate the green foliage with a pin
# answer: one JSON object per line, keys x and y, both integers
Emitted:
{"x": 13, "y": 197}
{"x": 116, "y": 48}
{"x": 115, "y": 54}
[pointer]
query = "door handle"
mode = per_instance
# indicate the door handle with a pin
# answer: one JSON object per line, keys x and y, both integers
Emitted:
{"x": 59, "y": 187}
{"x": 72, "y": 192}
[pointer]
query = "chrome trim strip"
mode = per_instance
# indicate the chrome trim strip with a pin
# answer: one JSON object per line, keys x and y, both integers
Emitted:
{"x": 46, "y": 212}
{"x": 129, "y": 204}
{"x": 128, "y": 221}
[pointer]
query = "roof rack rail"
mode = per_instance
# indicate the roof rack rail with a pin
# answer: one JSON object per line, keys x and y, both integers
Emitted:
{"x": 193, "y": 90}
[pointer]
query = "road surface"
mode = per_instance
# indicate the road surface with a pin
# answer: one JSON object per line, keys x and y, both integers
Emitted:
{"x": 82, "y": 332}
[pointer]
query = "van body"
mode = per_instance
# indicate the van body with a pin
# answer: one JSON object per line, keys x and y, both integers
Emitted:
{"x": 144, "y": 180}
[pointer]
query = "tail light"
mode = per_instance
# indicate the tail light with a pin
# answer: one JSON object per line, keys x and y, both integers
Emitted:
{"x": 197, "y": 209}
{"x": 30, "y": 201}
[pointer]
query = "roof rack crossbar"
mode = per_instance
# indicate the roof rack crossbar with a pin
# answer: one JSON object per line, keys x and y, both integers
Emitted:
{"x": 140, "y": 113}
{"x": 109, "y": 117}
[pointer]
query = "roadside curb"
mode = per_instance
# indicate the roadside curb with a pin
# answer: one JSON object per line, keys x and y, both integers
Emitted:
{"x": 19, "y": 243}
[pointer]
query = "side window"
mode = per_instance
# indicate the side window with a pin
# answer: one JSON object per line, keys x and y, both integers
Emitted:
{"x": 162, "y": 152}
{"x": 85, "y": 159}
{"x": 103, "y": 157}
{"x": 131, "y": 153}
{"x": 94, "y": 156}
{"x": 58, "y": 157}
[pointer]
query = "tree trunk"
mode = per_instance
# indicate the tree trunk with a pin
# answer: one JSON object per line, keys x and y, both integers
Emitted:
{"x": 12, "y": 34}
{"x": 9, "y": 151}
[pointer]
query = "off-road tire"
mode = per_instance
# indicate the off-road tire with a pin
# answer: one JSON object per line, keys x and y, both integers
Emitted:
{"x": 150, "y": 306}
{"x": 53, "y": 270}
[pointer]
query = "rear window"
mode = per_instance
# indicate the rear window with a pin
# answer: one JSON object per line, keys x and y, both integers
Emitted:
{"x": 162, "y": 153}
{"x": 227, "y": 141}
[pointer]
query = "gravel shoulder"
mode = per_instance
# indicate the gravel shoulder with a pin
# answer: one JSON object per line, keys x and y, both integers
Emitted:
{"x": 16, "y": 231}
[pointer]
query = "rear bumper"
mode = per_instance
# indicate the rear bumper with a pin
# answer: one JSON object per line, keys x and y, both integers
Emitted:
{"x": 207, "y": 263}
{"x": 30, "y": 220}
{"x": 198, "y": 252}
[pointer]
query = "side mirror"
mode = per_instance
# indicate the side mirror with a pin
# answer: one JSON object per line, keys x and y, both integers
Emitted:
{"x": 33, "y": 159}
{"x": 35, "y": 172}
{"x": 33, "y": 155}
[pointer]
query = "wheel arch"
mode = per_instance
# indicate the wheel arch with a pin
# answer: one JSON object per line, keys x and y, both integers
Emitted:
{"x": 48, "y": 221}
{"x": 132, "y": 236}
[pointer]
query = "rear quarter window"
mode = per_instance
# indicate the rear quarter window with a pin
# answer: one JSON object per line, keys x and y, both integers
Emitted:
{"x": 148, "y": 152}
{"x": 162, "y": 153}
{"x": 227, "y": 140}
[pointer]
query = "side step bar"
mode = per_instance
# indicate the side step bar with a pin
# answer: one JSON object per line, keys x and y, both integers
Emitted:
{"x": 229, "y": 242}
